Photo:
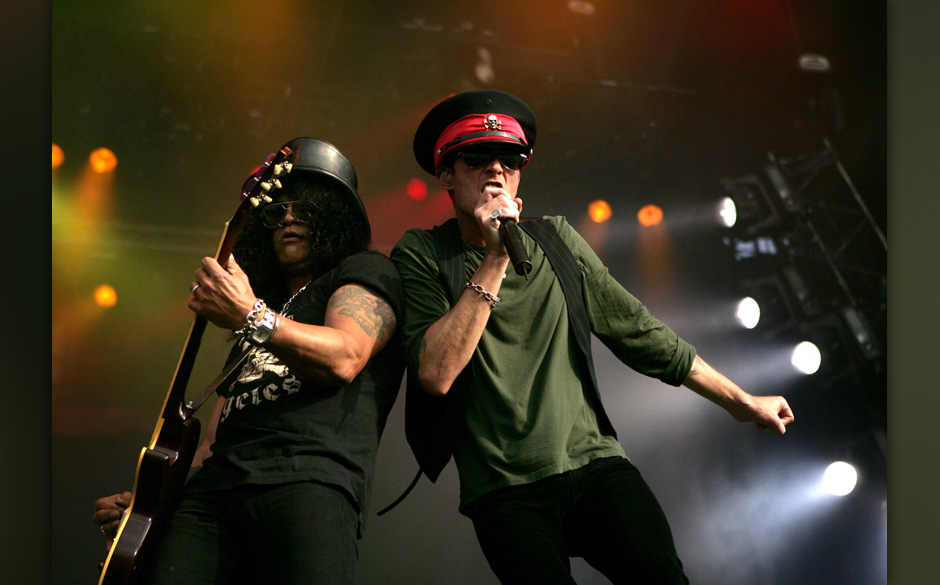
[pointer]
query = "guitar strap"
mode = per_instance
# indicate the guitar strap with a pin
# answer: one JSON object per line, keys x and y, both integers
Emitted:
{"x": 220, "y": 380}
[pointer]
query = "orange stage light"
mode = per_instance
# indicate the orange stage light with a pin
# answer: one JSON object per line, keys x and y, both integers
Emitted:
{"x": 102, "y": 160}
{"x": 599, "y": 211}
{"x": 650, "y": 215}
{"x": 105, "y": 296}
{"x": 58, "y": 156}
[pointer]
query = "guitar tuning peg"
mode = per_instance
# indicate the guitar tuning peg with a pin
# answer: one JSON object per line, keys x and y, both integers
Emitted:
{"x": 259, "y": 199}
{"x": 270, "y": 185}
{"x": 282, "y": 169}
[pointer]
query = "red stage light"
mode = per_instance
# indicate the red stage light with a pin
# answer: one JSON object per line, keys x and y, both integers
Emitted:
{"x": 417, "y": 189}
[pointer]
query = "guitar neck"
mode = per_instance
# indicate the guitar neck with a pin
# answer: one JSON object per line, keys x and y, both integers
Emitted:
{"x": 255, "y": 192}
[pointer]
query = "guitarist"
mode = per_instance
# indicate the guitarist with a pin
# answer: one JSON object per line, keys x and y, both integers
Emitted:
{"x": 280, "y": 484}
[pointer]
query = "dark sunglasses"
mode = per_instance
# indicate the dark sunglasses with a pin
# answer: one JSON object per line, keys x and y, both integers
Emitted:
{"x": 475, "y": 160}
{"x": 273, "y": 214}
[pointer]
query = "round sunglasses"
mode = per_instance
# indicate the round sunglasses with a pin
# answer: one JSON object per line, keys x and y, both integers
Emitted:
{"x": 273, "y": 214}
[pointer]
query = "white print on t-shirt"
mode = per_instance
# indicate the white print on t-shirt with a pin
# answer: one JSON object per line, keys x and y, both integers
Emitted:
{"x": 260, "y": 363}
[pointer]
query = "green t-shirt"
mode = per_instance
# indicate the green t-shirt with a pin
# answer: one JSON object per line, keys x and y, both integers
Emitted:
{"x": 531, "y": 412}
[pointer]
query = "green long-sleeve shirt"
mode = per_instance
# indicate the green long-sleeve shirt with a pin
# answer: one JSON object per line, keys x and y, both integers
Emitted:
{"x": 531, "y": 414}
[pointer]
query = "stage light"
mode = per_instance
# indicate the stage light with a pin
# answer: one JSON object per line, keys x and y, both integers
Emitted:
{"x": 727, "y": 212}
{"x": 599, "y": 211}
{"x": 814, "y": 63}
{"x": 826, "y": 352}
{"x": 417, "y": 190}
{"x": 580, "y": 7}
{"x": 806, "y": 357}
{"x": 769, "y": 308}
{"x": 753, "y": 211}
{"x": 763, "y": 248}
{"x": 861, "y": 332}
{"x": 775, "y": 173}
{"x": 105, "y": 296}
{"x": 484, "y": 71}
{"x": 809, "y": 301}
{"x": 102, "y": 160}
{"x": 840, "y": 478}
{"x": 748, "y": 313}
{"x": 58, "y": 156}
{"x": 650, "y": 215}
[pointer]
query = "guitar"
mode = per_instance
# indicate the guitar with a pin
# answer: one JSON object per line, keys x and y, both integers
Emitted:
{"x": 165, "y": 462}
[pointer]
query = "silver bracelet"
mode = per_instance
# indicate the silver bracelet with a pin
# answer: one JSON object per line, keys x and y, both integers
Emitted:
{"x": 252, "y": 318}
{"x": 264, "y": 328}
{"x": 493, "y": 299}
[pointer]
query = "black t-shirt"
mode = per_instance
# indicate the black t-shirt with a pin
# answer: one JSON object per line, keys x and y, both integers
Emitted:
{"x": 276, "y": 428}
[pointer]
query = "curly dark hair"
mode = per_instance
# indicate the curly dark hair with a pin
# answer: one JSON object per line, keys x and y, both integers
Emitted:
{"x": 337, "y": 231}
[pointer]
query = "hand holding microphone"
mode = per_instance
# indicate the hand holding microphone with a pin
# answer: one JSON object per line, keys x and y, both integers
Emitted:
{"x": 509, "y": 232}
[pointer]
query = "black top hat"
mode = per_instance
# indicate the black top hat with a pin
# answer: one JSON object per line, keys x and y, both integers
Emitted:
{"x": 312, "y": 155}
{"x": 483, "y": 102}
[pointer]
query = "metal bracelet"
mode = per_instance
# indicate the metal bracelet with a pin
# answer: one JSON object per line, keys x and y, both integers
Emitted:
{"x": 264, "y": 328}
{"x": 493, "y": 299}
{"x": 252, "y": 318}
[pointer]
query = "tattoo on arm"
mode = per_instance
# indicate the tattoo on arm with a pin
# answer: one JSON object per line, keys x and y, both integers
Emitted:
{"x": 372, "y": 313}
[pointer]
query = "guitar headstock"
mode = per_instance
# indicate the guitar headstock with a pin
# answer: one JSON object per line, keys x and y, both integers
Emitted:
{"x": 256, "y": 191}
{"x": 258, "y": 188}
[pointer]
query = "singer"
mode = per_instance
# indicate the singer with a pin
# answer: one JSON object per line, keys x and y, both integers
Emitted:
{"x": 500, "y": 373}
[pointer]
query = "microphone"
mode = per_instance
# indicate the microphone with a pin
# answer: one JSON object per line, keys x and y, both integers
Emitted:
{"x": 513, "y": 242}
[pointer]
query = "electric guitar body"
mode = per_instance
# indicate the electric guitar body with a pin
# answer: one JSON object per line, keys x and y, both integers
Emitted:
{"x": 158, "y": 485}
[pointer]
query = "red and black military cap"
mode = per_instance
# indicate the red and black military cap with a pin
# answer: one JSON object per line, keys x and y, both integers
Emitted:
{"x": 483, "y": 116}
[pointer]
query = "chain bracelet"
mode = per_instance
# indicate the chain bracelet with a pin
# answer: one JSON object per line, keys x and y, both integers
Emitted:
{"x": 493, "y": 299}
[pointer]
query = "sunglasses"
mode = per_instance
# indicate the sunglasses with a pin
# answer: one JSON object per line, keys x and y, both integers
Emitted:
{"x": 273, "y": 214}
{"x": 475, "y": 160}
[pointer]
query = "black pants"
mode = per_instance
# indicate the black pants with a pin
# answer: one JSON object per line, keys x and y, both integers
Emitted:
{"x": 298, "y": 533}
{"x": 603, "y": 512}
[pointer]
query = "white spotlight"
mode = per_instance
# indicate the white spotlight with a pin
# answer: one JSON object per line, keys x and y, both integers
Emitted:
{"x": 840, "y": 478}
{"x": 748, "y": 312}
{"x": 806, "y": 357}
{"x": 727, "y": 212}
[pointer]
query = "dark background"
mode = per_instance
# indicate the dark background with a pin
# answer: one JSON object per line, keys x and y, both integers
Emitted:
{"x": 638, "y": 102}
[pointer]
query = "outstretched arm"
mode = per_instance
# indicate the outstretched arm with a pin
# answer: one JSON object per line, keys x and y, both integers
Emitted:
{"x": 767, "y": 412}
